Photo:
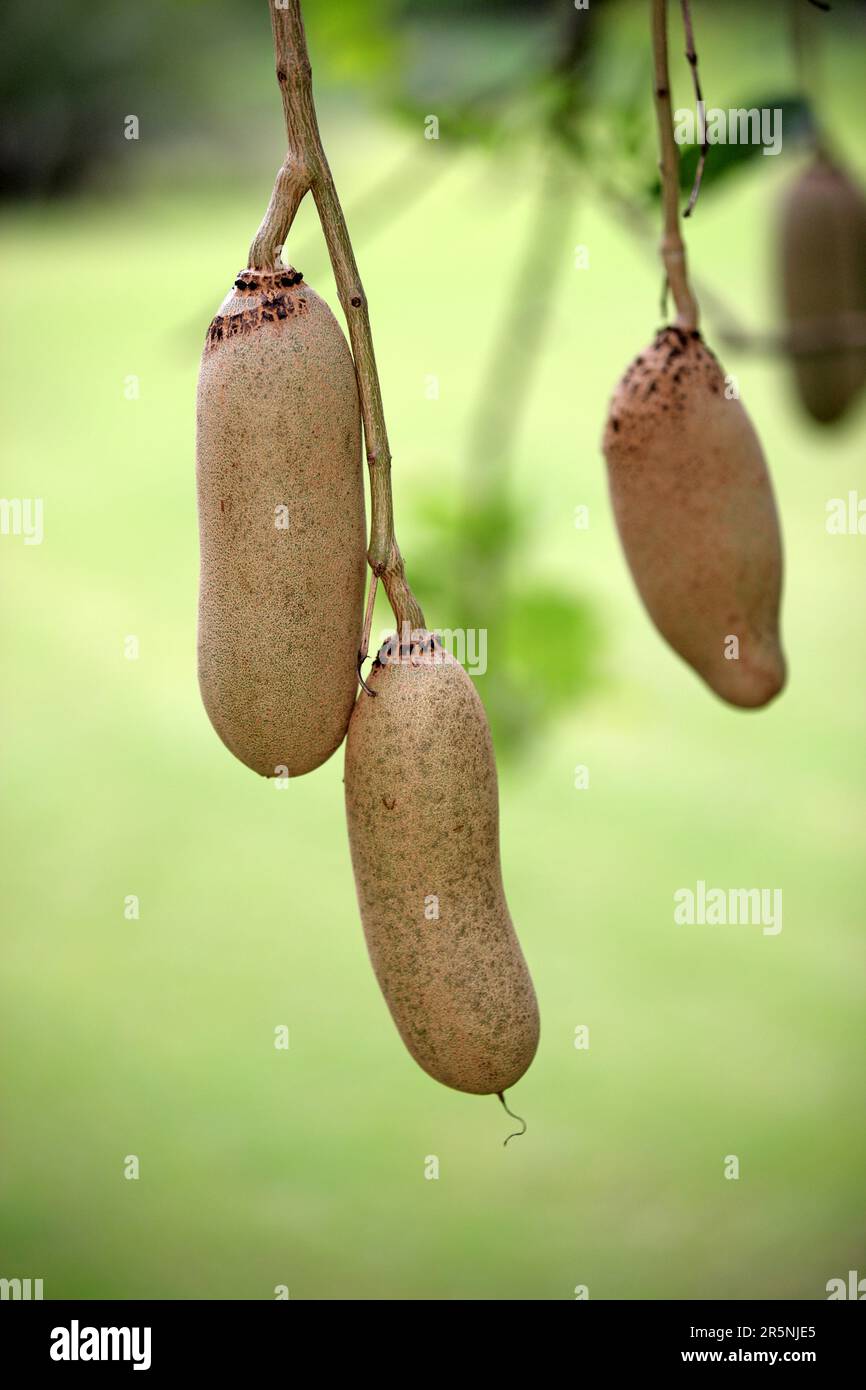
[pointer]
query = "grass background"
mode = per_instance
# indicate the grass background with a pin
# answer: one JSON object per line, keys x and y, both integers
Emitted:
{"x": 155, "y": 1037}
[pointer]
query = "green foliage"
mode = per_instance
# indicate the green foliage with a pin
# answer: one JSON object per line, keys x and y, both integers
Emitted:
{"x": 723, "y": 160}
{"x": 475, "y": 572}
{"x": 487, "y": 78}
{"x": 353, "y": 41}
{"x": 66, "y": 83}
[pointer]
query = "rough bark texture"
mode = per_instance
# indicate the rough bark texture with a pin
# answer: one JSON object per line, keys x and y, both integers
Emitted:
{"x": 673, "y": 251}
{"x": 304, "y": 169}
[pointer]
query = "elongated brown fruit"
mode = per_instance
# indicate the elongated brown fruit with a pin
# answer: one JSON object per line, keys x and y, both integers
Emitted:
{"x": 423, "y": 814}
{"x": 824, "y": 286}
{"x": 696, "y": 516}
{"x": 281, "y": 524}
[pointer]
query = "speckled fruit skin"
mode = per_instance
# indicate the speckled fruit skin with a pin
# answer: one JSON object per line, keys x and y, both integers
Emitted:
{"x": 280, "y": 607}
{"x": 423, "y": 814}
{"x": 824, "y": 282}
{"x": 696, "y": 516}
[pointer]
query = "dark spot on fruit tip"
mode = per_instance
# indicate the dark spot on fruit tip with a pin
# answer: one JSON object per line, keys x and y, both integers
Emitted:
{"x": 389, "y": 802}
{"x": 614, "y": 424}
{"x": 694, "y": 333}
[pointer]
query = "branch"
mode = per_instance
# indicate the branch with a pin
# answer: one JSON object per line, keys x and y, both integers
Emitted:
{"x": 292, "y": 185}
{"x": 826, "y": 337}
{"x": 673, "y": 252}
{"x": 306, "y": 169}
{"x": 692, "y": 57}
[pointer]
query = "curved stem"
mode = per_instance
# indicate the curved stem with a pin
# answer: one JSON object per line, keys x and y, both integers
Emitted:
{"x": 692, "y": 58}
{"x": 292, "y": 185}
{"x": 673, "y": 251}
{"x": 306, "y": 169}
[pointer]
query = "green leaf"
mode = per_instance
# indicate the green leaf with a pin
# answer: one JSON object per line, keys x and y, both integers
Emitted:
{"x": 797, "y": 122}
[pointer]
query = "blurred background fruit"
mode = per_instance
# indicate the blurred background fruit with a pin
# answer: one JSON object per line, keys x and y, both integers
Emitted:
{"x": 823, "y": 258}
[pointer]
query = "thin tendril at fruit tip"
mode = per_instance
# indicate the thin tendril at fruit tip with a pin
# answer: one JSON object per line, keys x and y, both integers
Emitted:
{"x": 518, "y": 1132}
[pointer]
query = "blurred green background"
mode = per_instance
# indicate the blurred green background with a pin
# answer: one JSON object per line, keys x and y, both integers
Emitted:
{"x": 155, "y": 1037}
